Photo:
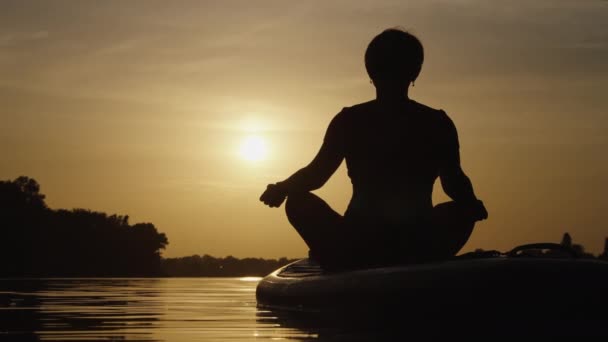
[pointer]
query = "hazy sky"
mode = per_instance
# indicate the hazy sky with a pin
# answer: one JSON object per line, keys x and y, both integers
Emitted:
{"x": 141, "y": 107}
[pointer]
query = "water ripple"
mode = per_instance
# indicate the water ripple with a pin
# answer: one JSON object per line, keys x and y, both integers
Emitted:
{"x": 163, "y": 309}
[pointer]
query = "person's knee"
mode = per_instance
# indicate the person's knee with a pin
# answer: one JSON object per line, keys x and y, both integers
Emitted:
{"x": 452, "y": 212}
{"x": 306, "y": 206}
{"x": 447, "y": 207}
{"x": 297, "y": 203}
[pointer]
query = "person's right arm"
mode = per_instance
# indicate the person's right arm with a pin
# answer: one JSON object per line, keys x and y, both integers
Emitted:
{"x": 316, "y": 173}
{"x": 454, "y": 181}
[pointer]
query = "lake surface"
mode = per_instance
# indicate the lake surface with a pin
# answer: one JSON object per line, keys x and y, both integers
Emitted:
{"x": 161, "y": 309}
{"x": 224, "y": 309}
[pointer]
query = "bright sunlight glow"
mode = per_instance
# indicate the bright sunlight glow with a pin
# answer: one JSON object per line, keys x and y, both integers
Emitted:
{"x": 253, "y": 148}
{"x": 250, "y": 279}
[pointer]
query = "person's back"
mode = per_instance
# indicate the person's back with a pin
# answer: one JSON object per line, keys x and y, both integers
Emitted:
{"x": 395, "y": 149}
{"x": 393, "y": 155}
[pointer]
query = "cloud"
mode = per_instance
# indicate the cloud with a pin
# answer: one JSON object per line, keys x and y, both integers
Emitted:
{"x": 589, "y": 45}
{"x": 11, "y": 38}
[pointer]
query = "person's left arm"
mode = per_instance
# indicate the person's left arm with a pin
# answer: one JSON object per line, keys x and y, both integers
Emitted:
{"x": 454, "y": 181}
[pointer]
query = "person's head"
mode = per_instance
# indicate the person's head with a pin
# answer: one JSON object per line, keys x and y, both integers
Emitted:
{"x": 394, "y": 58}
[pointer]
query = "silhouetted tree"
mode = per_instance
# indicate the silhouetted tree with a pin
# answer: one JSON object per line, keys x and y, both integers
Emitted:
{"x": 79, "y": 242}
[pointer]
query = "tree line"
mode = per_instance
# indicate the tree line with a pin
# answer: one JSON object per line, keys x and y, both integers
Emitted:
{"x": 40, "y": 242}
{"x": 43, "y": 242}
{"x": 208, "y": 266}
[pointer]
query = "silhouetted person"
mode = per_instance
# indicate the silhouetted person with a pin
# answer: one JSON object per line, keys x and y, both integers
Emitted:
{"x": 566, "y": 240}
{"x": 604, "y": 254}
{"x": 395, "y": 148}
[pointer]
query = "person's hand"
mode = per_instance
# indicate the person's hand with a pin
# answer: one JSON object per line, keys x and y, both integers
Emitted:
{"x": 478, "y": 211}
{"x": 274, "y": 195}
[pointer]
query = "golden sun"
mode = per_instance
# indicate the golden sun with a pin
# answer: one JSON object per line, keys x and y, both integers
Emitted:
{"x": 253, "y": 148}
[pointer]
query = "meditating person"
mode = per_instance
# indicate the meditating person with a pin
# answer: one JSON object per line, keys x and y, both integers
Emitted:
{"x": 395, "y": 148}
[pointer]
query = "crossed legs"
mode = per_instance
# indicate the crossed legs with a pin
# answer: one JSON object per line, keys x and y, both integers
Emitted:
{"x": 321, "y": 227}
{"x": 333, "y": 242}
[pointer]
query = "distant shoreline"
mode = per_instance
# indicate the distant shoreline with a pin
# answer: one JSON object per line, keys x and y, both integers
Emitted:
{"x": 193, "y": 266}
{"x": 209, "y": 266}
{"x": 45, "y": 243}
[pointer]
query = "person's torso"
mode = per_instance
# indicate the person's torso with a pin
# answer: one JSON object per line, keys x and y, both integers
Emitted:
{"x": 392, "y": 155}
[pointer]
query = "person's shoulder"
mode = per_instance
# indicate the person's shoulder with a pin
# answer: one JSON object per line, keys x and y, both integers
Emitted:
{"x": 350, "y": 113}
{"x": 428, "y": 109}
{"x": 438, "y": 115}
{"x": 362, "y": 106}
{"x": 358, "y": 108}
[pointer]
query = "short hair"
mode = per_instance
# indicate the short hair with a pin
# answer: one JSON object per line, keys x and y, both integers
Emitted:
{"x": 394, "y": 55}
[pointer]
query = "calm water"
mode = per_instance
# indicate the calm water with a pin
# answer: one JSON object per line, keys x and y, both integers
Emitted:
{"x": 163, "y": 309}
{"x": 224, "y": 309}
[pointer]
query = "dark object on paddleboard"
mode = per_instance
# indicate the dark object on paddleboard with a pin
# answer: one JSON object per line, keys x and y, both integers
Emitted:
{"x": 526, "y": 280}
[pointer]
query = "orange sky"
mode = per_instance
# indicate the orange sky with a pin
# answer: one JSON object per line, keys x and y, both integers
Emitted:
{"x": 140, "y": 108}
